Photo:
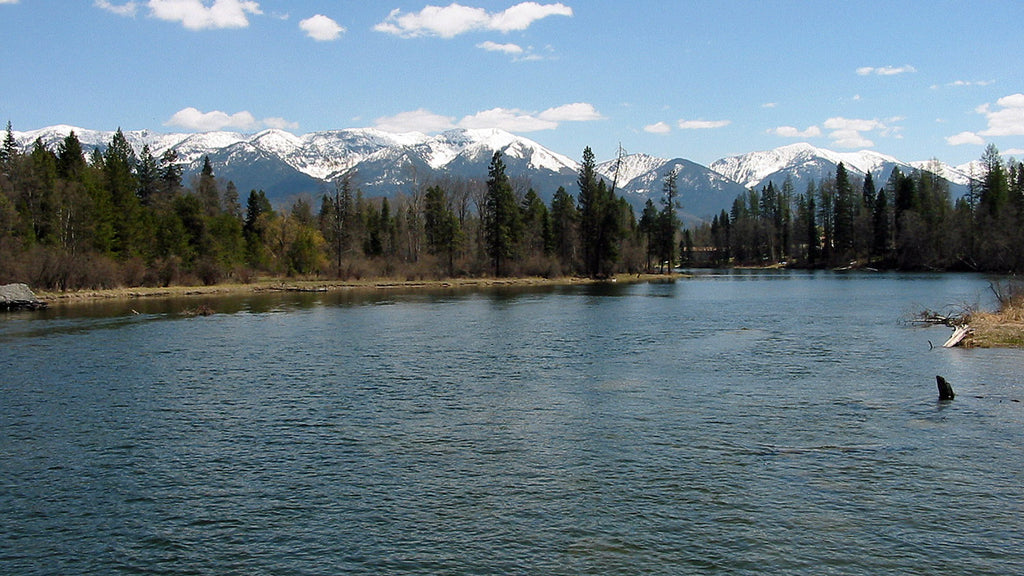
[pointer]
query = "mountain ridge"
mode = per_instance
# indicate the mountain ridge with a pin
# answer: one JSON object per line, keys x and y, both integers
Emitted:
{"x": 284, "y": 164}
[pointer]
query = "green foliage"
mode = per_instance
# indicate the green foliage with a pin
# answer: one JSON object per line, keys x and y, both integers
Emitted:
{"x": 67, "y": 222}
{"x": 441, "y": 227}
{"x": 565, "y": 219}
{"x": 600, "y": 226}
{"x": 501, "y": 219}
{"x": 910, "y": 223}
{"x": 667, "y": 223}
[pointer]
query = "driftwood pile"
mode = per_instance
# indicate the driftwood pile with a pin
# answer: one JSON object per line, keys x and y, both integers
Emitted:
{"x": 958, "y": 323}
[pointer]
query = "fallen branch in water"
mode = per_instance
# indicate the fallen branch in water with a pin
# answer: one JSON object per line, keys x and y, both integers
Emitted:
{"x": 930, "y": 317}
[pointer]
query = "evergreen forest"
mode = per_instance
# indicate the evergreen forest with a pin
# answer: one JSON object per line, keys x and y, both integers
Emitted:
{"x": 121, "y": 219}
{"x": 909, "y": 222}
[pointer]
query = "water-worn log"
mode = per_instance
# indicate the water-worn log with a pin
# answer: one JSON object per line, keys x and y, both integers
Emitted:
{"x": 19, "y": 297}
{"x": 945, "y": 389}
{"x": 959, "y": 333}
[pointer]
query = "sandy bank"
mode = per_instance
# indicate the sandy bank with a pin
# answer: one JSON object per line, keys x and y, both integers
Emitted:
{"x": 271, "y": 285}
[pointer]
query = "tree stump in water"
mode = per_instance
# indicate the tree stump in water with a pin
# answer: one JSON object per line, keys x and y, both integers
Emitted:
{"x": 945, "y": 389}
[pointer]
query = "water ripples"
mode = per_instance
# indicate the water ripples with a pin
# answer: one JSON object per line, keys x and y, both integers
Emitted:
{"x": 710, "y": 426}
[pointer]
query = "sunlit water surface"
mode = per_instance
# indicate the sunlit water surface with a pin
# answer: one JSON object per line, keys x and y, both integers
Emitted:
{"x": 734, "y": 423}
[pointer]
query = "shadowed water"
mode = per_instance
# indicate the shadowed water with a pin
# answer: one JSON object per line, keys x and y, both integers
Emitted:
{"x": 734, "y": 423}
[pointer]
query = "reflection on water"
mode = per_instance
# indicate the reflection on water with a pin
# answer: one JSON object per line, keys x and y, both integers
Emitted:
{"x": 731, "y": 423}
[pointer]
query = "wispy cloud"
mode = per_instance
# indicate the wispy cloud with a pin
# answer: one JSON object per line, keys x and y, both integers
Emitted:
{"x": 513, "y": 49}
{"x": 885, "y": 70}
{"x": 658, "y": 128}
{"x": 194, "y": 120}
{"x": 454, "y": 19}
{"x": 8, "y": 1}
{"x": 280, "y": 124}
{"x": 192, "y": 14}
{"x": 128, "y": 9}
{"x": 963, "y": 83}
{"x": 793, "y": 132}
{"x": 321, "y": 28}
{"x": 510, "y": 119}
{"x": 702, "y": 124}
{"x": 420, "y": 120}
{"x": 517, "y": 52}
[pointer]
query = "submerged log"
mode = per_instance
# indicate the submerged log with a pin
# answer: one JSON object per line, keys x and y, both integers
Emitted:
{"x": 945, "y": 389}
{"x": 19, "y": 297}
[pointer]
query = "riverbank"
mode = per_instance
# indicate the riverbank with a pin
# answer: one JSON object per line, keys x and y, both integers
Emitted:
{"x": 1003, "y": 328}
{"x": 314, "y": 285}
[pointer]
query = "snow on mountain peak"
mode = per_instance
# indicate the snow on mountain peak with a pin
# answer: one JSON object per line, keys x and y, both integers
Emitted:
{"x": 631, "y": 167}
{"x": 751, "y": 169}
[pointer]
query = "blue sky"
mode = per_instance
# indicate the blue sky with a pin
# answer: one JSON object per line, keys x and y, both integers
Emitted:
{"x": 693, "y": 79}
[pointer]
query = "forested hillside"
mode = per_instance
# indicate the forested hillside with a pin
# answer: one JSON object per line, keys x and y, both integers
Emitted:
{"x": 908, "y": 222}
{"x": 117, "y": 219}
{"x": 121, "y": 219}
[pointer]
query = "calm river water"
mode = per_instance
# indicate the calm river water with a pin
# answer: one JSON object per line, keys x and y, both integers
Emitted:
{"x": 733, "y": 423}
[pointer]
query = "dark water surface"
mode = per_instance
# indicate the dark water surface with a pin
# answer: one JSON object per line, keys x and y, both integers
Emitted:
{"x": 735, "y": 423}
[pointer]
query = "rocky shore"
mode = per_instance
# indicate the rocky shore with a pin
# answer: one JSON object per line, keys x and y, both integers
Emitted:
{"x": 19, "y": 297}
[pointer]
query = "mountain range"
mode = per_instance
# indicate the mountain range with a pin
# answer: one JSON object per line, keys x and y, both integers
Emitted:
{"x": 387, "y": 164}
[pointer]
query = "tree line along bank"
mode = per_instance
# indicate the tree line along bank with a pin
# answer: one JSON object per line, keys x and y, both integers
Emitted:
{"x": 120, "y": 219}
{"x": 910, "y": 222}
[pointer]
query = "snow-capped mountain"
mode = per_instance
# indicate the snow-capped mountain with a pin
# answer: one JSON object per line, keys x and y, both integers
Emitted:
{"x": 384, "y": 164}
{"x": 702, "y": 191}
{"x": 624, "y": 170}
{"x": 802, "y": 162}
{"x": 959, "y": 175}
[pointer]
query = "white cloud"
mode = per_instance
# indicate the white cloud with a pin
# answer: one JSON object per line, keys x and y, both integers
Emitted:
{"x": 505, "y": 48}
{"x": 420, "y": 120}
{"x": 658, "y": 128}
{"x": 575, "y": 112}
{"x": 522, "y": 15}
{"x": 128, "y": 9}
{"x": 959, "y": 83}
{"x": 848, "y": 132}
{"x": 703, "y": 124}
{"x": 193, "y": 14}
{"x": 1014, "y": 152}
{"x": 793, "y": 132}
{"x": 512, "y": 120}
{"x": 321, "y": 28}
{"x": 192, "y": 119}
{"x": 280, "y": 124}
{"x": 1007, "y": 121}
{"x": 885, "y": 70}
{"x": 8, "y": 1}
{"x": 454, "y": 19}
{"x": 964, "y": 138}
{"x": 769, "y": 105}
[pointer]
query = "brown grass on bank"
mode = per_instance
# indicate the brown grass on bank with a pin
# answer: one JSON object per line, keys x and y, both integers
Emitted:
{"x": 1003, "y": 328}
{"x": 318, "y": 285}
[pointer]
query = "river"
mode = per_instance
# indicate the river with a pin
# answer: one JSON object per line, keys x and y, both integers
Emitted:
{"x": 731, "y": 423}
